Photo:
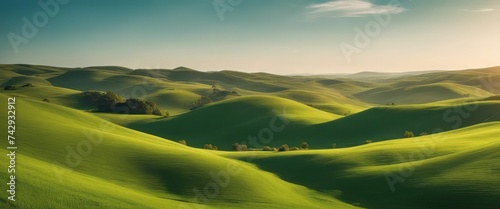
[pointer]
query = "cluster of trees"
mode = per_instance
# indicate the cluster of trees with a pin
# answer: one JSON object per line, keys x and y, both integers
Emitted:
{"x": 243, "y": 147}
{"x": 12, "y": 87}
{"x": 240, "y": 147}
{"x": 216, "y": 95}
{"x": 285, "y": 147}
{"x": 112, "y": 102}
{"x": 210, "y": 147}
{"x": 409, "y": 134}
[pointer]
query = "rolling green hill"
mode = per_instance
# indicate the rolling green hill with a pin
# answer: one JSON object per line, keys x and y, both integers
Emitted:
{"x": 234, "y": 120}
{"x": 71, "y": 157}
{"x": 420, "y": 94}
{"x": 392, "y": 122}
{"x": 456, "y": 169}
{"x": 126, "y": 168}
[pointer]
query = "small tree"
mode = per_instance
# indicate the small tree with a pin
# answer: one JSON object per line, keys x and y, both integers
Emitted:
{"x": 210, "y": 147}
{"x": 10, "y": 87}
{"x": 200, "y": 102}
{"x": 28, "y": 85}
{"x": 283, "y": 147}
{"x": 408, "y": 134}
{"x": 244, "y": 147}
{"x": 423, "y": 133}
{"x": 294, "y": 148}
{"x": 368, "y": 141}
{"x": 304, "y": 145}
{"x": 106, "y": 102}
{"x": 183, "y": 142}
{"x": 267, "y": 148}
{"x": 334, "y": 145}
{"x": 236, "y": 147}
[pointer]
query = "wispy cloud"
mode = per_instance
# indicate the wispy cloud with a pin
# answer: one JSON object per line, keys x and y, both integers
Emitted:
{"x": 478, "y": 10}
{"x": 352, "y": 8}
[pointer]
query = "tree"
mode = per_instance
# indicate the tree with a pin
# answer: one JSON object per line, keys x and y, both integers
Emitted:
{"x": 210, "y": 147}
{"x": 182, "y": 142}
{"x": 92, "y": 96}
{"x": 106, "y": 102}
{"x": 215, "y": 90}
{"x": 236, "y": 147}
{"x": 10, "y": 87}
{"x": 283, "y": 147}
{"x": 423, "y": 133}
{"x": 136, "y": 106}
{"x": 244, "y": 147}
{"x": 201, "y": 102}
{"x": 294, "y": 148}
{"x": 112, "y": 102}
{"x": 368, "y": 141}
{"x": 304, "y": 145}
{"x": 408, "y": 134}
{"x": 334, "y": 145}
{"x": 267, "y": 148}
{"x": 155, "y": 109}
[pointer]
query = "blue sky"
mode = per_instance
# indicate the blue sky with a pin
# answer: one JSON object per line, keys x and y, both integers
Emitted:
{"x": 277, "y": 36}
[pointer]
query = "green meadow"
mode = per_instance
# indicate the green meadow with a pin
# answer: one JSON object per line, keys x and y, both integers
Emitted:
{"x": 414, "y": 140}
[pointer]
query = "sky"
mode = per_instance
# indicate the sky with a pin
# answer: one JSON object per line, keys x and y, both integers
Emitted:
{"x": 275, "y": 36}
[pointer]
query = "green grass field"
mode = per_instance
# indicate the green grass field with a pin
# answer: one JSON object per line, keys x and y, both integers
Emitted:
{"x": 71, "y": 157}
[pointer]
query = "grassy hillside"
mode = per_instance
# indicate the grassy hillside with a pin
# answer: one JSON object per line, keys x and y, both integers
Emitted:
{"x": 131, "y": 169}
{"x": 127, "y": 168}
{"x": 234, "y": 120}
{"x": 420, "y": 94}
{"x": 382, "y": 123}
{"x": 69, "y": 157}
{"x": 457, "y": 169}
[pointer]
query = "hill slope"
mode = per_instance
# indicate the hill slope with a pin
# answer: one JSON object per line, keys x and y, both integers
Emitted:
{"x": 234, "y": 120}
{"x": 456, "y": 169}
{"x": 99, "y": 164}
